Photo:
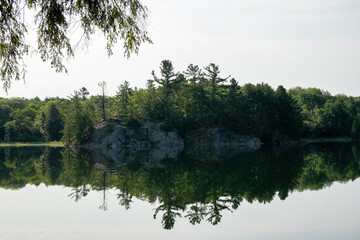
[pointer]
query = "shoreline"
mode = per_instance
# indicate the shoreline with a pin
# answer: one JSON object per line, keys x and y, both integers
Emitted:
{"x": 33, "y": 144}
{"x": 304, "y": 141}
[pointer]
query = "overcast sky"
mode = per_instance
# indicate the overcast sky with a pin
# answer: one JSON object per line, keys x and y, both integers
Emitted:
{"x": 307, "y": 43}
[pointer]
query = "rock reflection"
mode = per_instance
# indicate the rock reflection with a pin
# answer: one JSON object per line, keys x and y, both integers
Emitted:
{"x": 189, "y": 186}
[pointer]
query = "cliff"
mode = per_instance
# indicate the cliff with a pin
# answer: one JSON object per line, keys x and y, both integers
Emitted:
{"x": 221, "y": 140}
{"x": 149, "y": 144}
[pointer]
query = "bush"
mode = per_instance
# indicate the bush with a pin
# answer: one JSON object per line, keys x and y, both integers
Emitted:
{"x": 133, "y": 123}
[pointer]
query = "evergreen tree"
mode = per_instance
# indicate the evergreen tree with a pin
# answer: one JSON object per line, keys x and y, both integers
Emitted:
{"x": 123, "y": 96}
{"x": 77, "y": 122}
{"x": 212, "y": 76}
{"x": 53, "y": 124}
{"x": 170, "y": 83}
{"x": 232, "y": 116}
{"x": 213, "y": 81}
{"x": 261, "y": 106}
{"x": 152, "y": 106}
{"x": 193, "y": 74}
{"x": 84, "y": 93}
{"x": 290, "y": 122}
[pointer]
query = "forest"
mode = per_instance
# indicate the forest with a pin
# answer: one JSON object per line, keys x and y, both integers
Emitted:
{"x": 189, "y": 100}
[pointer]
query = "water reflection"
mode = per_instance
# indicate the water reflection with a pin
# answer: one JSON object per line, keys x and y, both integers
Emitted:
{"x": 190, "y": 186}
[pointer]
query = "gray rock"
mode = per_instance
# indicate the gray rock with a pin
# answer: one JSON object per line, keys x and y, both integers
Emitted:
{"x": 147, "y": 144}
{"x": 218, "y": 141}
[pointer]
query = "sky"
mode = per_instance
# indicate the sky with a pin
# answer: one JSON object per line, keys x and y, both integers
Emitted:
{"x": 307, "y": 43}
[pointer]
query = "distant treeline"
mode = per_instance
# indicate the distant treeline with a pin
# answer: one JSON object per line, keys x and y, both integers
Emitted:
{"x": 190, "y": 100}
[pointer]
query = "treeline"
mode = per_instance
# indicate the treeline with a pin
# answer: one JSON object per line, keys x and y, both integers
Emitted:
{"x": 189, "y": 100}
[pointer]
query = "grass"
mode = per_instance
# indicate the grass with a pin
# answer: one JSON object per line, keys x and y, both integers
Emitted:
{"x": 32, "y": 144}
{"x": 325, "y": 140}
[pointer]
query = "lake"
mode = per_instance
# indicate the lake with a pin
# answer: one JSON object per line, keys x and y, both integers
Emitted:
{"x": 309, "y": 192}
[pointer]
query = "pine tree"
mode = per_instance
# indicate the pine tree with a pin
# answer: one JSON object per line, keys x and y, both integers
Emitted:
{"x": 84, "y": 93}
{"x": 170, "y": 83}
{"x": 123, "y": 96}
{"x": 194, "y": 74}
{"x": 214, "y": 80}
{"x": 53, "y": 124}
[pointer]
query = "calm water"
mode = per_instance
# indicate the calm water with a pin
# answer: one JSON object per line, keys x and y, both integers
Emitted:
{"x": 311, "y": 192}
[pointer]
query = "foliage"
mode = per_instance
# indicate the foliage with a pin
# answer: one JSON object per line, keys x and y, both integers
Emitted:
{"x": 84, "y": 93}
{"x": 196, "y": 98}
{"x": 169, "y": 85}
{"x": 52, "y": 123}
{"x": 77, "y": 121}
{"x": 118, "y": 20}
{"x": 21, "y": 127}
{"x": 324, "y": 115}
{"x": 123, "y": 96}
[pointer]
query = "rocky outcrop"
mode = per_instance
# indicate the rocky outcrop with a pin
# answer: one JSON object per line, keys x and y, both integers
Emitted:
{"x": 221, "y": 142}
{"x": 148, "y": 144}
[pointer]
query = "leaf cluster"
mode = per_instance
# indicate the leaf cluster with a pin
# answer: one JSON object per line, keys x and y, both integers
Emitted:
{"x": 118, "y": 20}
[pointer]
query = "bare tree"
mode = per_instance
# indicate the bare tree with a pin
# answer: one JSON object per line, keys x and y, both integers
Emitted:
{"x": 103, "y": 86}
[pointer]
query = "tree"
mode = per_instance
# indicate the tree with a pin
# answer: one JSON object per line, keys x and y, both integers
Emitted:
{"x": 21, "y": 128}
{"x": 213, "y": 81}
{"x": 146, "y": 103}
{"x": 5, "y": 111}
{"x": 212, "y": 73}
{"x": 170, "y": 84}
{"x": 290, "y": 122}
{"x": 84, "y": 93}
{"x": 354, "y": 129}
{"x": 53, "y": 124}
{"x": 103, "y": 86}
{"x": 117, "y": 19}
{"x": 233, "y": 115}
{"x": 77, "y": 120}
{"x": 261, "y": 104}
{"x": 193, "y": 74}
{"x": 123, "y": 95}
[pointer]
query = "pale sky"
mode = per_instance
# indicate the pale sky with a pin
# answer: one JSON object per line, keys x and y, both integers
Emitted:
{"x": 307, "y": 43}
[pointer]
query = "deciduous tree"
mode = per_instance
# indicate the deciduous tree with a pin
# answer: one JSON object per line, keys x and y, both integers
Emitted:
{"x": 118, "y": 20}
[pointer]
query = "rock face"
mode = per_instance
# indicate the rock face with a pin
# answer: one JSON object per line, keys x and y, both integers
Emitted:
{"x": 221, "y": 142}
{"x": 147, "y": 144}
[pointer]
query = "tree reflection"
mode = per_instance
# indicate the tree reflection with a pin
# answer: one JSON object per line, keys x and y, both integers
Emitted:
{"x": 214, "y": 211}
{"x": 192, "y": 186}
{"x": 171, "y": 211}
{"x": 104, "y": 205}
{"x": 196, "y": 213}
{"x": 79, "y": 192}
{"x": 125, "y": 199}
